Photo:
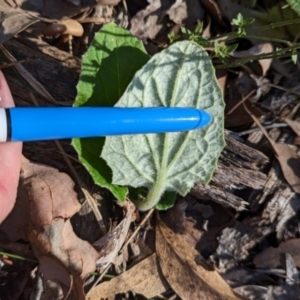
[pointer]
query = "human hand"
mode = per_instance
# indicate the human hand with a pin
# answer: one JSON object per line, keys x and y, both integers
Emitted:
{"x": 10, "y": 160}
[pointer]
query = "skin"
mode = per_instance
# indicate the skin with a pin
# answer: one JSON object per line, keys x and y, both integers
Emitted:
{"x": 10, "y": 160}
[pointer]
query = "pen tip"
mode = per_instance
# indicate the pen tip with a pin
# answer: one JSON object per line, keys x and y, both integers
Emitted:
{"x": 204, "y": 119}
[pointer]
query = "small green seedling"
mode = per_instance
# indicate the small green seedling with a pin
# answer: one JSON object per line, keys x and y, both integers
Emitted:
{"x": 181, "y": 75}
{"x": 240, "y": 23}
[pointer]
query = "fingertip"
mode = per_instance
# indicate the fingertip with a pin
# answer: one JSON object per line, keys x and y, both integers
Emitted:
{"x": 6, "y": 99}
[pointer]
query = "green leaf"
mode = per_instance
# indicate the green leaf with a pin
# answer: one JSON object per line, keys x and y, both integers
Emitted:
{"x": 181, "y": 75}
{"x": 231, "y": 48}
{"x": 294, "y": 56}
{"x": 107, "y": 68}
{"x": 295, "y": 5}
{"x": 198, "y": 29}
{"x": 248, "y": 21}
{"x": 167, "y": 200}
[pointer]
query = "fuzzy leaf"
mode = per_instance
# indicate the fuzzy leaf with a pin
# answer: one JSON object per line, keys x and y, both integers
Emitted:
{"x": 183, "y": 76}
{"x": 295, "y": 5}
{"x": 107, "y": 69}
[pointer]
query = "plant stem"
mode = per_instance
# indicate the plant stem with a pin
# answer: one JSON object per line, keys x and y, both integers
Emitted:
{"x": 285, "y": 52}
{"x": 263, "y": 38}
{"x": 233, "y": 35}
{"x": 18, "y": 257}
{"x": 154, "y": 194}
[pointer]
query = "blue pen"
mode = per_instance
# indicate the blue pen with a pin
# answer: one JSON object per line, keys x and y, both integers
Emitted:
{"x": 49, "y": 123}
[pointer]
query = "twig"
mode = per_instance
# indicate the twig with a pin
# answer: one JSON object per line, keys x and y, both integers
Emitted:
{"x": 99, "y": 278}
{"x": 288, "y": 91}
{"x": 33, "y": 83}
{"x": 240, "y": 102}
{"x": 11, "y": 64}
{"x": 272, "y": 143}
{"x": 274, "y": 125}
{"x": 84, "y": 189}
{"x": 146, "y": 218}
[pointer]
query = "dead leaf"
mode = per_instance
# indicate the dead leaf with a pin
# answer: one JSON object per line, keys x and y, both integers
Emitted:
{"x": 59, "y": 9}
{"x": 287, "y": 291}
{"x": 151, "y": 22}
{"x": 214, "y": 10}
{"x": 17, "y": 18}
{"x": 108, "y": 2}
{"x": 295, "y": 126}
{"x": 272, "y": 258}
{"x": 290, "y": 165}
{"x": 64, "y": 258}
{"x": 262, "y": 48}
{"x": 222, "y": 77}
{"x": 186, "y": 270}
{"x": 144, "y": 278}
{"x": 186, "y": 12}
{"x": 110, "y": 244}
{"x": 243, "y": 87}
{"x": 147, "y": 23}
{"x": 13, "y": 21}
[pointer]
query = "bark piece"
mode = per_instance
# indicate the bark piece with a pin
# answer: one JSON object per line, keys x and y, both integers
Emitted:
{"x": 218, "y": 195}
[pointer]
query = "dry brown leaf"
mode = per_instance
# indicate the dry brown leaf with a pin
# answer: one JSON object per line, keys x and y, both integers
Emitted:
{"x": 151, "y": 21}
{"x": 290, "y": 165}
{"x": 13, "y": 21}
{"x": 295, "y": 126}
{"x": 214, "y": 10}
{"x": 45, "y": 203}
{"x": 144, "y": 278}
{"x": 59, "y": 9}
{"x": 147, "y": 22}
{"x": 222, "y": 77}
{"x": 186, "y": 270}
{"x": 64, "y": 258}
{"x": 272, "y": 258}
{"x": 186, "y": 11}
{"x": 257, "y": 50}
{"x": 108, "y": 2}
{"x": 242, "y": 87}
{"x": 288, "y": 159}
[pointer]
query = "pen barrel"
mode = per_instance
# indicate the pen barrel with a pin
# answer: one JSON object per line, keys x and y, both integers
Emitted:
{"x": 35, "y": 124}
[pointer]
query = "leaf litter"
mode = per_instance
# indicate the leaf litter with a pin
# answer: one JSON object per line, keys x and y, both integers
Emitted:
{"x": 46, "y": 202}
{"x": 273, "y": 205}
{"x": 186, "y": 270}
